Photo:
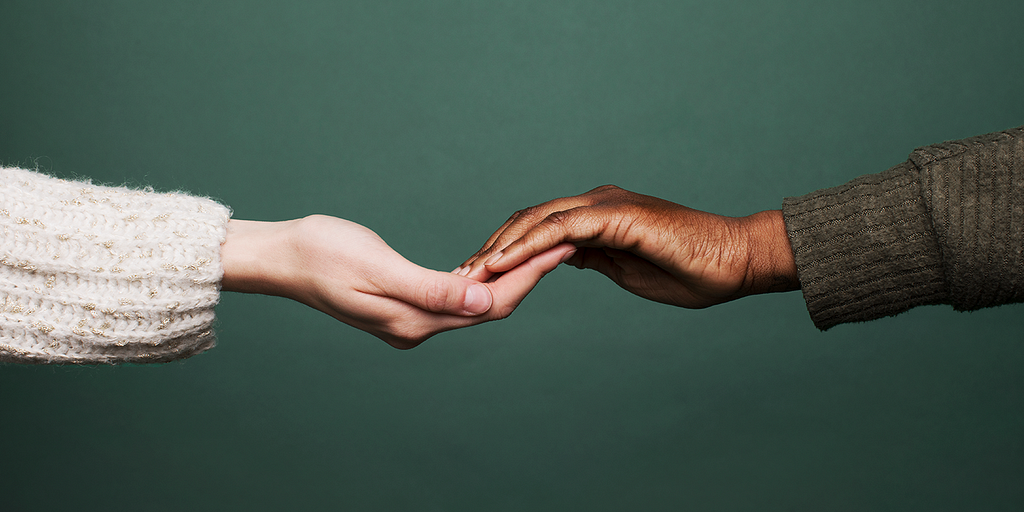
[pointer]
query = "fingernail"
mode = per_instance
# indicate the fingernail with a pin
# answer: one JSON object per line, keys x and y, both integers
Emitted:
{"x": 493, "y": 259}
{"x": 478, "y": 299}
{"x": 568, "y": 255}
{"x": 464, "y": 271}
{"x": 457, "y": 270}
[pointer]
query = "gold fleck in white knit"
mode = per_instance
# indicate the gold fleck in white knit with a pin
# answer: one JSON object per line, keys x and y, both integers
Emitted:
{"x": 92, "y": 274}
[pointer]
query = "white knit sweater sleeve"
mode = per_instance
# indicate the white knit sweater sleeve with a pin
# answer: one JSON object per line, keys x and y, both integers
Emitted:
{"x": 92, "y": 274}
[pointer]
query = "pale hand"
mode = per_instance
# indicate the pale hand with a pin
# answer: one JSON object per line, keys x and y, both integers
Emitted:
{"x": 347, "y": 271}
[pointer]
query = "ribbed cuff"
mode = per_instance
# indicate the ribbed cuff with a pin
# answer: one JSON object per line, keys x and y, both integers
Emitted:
{"x": 866, "y": 249}
{"x": 92, "y": 274}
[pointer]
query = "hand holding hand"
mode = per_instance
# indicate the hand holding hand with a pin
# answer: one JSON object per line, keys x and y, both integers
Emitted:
{"x": 654, "y": 248}
{"x": 350, "y": 273}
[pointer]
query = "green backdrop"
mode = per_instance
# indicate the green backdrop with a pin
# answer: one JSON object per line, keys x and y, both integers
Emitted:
{"x": 431, "y": 122}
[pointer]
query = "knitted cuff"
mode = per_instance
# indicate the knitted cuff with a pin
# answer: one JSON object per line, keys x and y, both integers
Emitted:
{"x": 92, "y": 274}
{"x": 865, "y": 249}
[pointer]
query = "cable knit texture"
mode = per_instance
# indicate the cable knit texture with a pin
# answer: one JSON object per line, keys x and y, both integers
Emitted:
{"x": 92, "y": 274}
{"x": 945, "y": 227}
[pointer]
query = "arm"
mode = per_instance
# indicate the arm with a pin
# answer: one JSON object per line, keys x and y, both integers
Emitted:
{"x": 943, "y": 227}
{"x": 92, "y": 274}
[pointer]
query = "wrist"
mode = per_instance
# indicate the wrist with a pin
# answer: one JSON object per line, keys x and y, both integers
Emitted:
{"x": 258, "y": 257}
{"x": 771, "y": 266}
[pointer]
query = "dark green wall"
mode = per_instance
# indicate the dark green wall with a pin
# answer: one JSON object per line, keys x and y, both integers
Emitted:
{"x": 431, "y": 122}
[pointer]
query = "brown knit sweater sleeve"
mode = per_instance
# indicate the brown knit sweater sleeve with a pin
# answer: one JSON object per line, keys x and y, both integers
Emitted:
{"x": 944, "y": 227}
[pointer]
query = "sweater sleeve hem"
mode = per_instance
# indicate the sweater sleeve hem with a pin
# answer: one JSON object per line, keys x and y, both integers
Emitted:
{"x": 866, "y": 249}
{"x": 92, "y": 274}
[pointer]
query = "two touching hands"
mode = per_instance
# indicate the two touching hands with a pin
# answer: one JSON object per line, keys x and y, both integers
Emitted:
{"x": 654, "y": 248}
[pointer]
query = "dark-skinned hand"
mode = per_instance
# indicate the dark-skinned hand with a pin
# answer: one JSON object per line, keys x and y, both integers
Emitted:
{"x": 651, "y": 247}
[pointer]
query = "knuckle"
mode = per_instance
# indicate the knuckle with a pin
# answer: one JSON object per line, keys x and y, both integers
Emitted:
{"x": 314, "y": 222}
{"x": 529, "y": 213}
{"x": 560, "y": 219}
{"x": 605, "y": 190}
{"x": 438, "y": 295}
{"x": 515, "y": 217}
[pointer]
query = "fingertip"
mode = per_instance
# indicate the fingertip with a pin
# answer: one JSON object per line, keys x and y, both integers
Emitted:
{"x": 575, "y": 259}
{"x": 556, "y": 255}
{"x": 493, "y": 260}
{"x": 478, "y": 274}
{"x": 568, "y": 255}
{"x": 478, "y": 299}
{"x": 503, "y": 261}
{"x": 551, "y": 258}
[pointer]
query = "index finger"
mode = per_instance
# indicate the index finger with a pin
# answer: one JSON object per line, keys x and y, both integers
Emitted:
{"x": 575, "y": 225}
{"x": 518, "y": 224}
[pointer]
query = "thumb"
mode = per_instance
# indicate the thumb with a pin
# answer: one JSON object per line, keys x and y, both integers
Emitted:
{"x": 441, "y": 292}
